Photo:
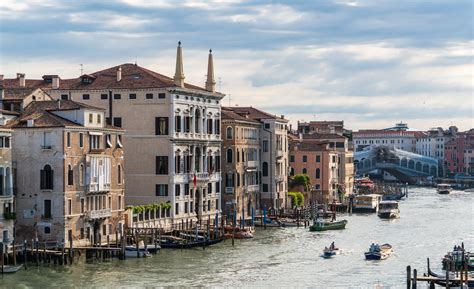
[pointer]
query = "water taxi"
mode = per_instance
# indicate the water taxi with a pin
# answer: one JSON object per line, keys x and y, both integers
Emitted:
{"x": 388, "y": 210}
{"x": 366, "y": 203}
{"x": 377, "y": 252}
{"x": 443, "y": 189}
{"x": 330, "y": 251}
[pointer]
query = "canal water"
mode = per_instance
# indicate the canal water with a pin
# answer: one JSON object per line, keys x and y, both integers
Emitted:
{"x": 430, "y": 225}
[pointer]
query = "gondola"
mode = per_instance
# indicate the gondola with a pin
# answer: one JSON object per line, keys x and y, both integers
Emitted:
{"x": 173, "y": 244}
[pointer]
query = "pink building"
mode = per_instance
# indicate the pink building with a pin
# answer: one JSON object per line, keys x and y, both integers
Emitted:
{"x": 454, "y": 156}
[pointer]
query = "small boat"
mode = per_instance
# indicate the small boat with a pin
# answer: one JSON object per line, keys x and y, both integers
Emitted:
{"x": 320, "y": 225}
{"x": 377, "y": 252}
{"x": 443, "y": 189}
{"x": 388, "y": 210}
{"x": 11, "y": 268}
{"x": 168, "y": 243}
{"x": 330, "y": 252}
{"x": 453, "y": 279}
{"x": 393, "y": 197}
{"x": 454, "y": 260}
{"x": 366, "y": 203}
{"x": 131, "y": 252}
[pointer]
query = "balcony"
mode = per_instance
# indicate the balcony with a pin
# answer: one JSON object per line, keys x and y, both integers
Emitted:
{"x": 279, "y": 178}
{"x": 251, "y": 164}
{"x": 99, "y": 214}
{"x": 100, "y": 187}
{"x": 200, "y": 177}
{"x": 253, "y": 188}
{"x": 96, "y": 150}
{"x": 279, "y": 154}
{"x": 229, "y": 190}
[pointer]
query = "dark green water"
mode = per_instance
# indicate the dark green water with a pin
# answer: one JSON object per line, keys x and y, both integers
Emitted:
{"x": 430, "y": 225}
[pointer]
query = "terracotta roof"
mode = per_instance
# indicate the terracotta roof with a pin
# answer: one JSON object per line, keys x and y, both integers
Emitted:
{"x": 41, "y": 112}
{"x": 230, "y": 115}
{"x": 133, "y": 77}
{"x": 9, "y": 112}
{"x": 254, "y": 113}
{"x": 18, "y": 93}
{"x": 322, "y": 136}
{"x": 309, "y": 146}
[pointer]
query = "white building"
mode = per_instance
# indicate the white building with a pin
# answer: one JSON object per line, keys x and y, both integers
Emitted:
{"x": 7, "y": 208}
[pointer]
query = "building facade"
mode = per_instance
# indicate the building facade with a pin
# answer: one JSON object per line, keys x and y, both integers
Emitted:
{"x": 457, "y": 154}
{"x": 7, "y": 204}
{"x": 172, "y": 132}
{"x": 241, "y": 164}
{"x": 274, "y": 155}
{"x": 70, "y": 180}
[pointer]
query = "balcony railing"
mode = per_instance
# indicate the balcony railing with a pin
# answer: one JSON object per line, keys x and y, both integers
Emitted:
{"x": 229, "y": 190}
{"x": 251, "y": 164}
{"x": 99, "y": 214}
{"x": 253, "y": 188}
{"x": 93, "y": 188}
{"x": 199, "y": 177}
{"x": 279, "y": 178}
{"x": 279, "y": 153}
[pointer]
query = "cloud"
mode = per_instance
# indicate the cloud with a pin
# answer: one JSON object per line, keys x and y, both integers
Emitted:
{"x": 273, "y": 14}
{"x": 110, "y": 20}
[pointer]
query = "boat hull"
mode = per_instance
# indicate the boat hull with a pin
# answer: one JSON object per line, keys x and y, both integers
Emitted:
{"x": 363, "y": 210}
{"x": 340, "y": 225}
{"x": 444, "y": 192}
{"x": 388, "y": 215}
{"x": 132, "y": 253}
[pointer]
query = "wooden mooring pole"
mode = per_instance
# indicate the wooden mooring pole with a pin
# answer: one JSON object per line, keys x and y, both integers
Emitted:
{"x": 408, "y": 277}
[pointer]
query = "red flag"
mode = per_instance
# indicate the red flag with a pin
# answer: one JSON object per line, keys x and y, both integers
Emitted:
{"x": 194, "y": 181}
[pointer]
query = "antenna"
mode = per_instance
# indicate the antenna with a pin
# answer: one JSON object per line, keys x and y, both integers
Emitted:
{"x": 82, "y": 69}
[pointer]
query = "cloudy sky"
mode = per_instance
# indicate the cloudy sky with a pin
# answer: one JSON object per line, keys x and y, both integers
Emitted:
{"x": 370, "y": 63}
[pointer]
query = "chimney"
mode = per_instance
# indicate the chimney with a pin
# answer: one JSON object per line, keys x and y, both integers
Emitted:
{"x": 30, "y": 122}
{"x": 21, "y": 77}
{"x": 210, "y": 82}
{"x": 119, "y": 74}
{"x": 55, "y": 83}
{"x": 300, "y": 135}
{"x": 1, "y": 77}
{"x": 179, "y": 74}
{"x": 282, "y": 116}
{"x": 59, "y": 103}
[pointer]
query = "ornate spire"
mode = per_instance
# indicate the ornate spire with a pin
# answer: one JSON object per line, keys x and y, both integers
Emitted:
{"x": 210, "y": 82}
{"x": 179, "y": 74}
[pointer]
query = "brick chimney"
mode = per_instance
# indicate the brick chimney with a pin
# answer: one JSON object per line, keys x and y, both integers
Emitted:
{"x": 21, "y": 78}
{"x": 55, "y": 83}
{"x": 119, "y": 74}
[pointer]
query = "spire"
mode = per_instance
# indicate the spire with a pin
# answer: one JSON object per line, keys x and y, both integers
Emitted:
{"x": 210, "y": 82}
{"x": 179, "y": 74}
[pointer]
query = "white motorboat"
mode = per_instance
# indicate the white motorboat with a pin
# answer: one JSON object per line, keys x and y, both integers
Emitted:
{"x": 388, "y": 210}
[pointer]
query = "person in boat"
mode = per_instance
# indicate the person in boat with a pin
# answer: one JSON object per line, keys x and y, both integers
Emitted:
{"x": 332, "y": 247}
{"x": 372, "y": 247}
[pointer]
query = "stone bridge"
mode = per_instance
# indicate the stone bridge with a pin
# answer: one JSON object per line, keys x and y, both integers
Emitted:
{"x": 395, "y": 161}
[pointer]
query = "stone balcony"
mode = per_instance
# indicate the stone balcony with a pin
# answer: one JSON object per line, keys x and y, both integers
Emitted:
{"x": 99, "y": 214}
{"x": 200, "y": 177}
{"x": 253, "y": 188}
{"x": 279, "y": 153}
{"x": 95, "y": 188}
{"x": 251, "y": 164}
{"x": 279, "y": 178}
{"x": 229, "y": 190}
{"x": 196, "y": 136}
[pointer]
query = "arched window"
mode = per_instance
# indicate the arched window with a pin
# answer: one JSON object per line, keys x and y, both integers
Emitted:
{"x": 197, "y": 118}
{"x": 265, "y": 169}
{"x": 318, "y": 173}
{"x": 243, "y": 156}
{"x": 81, "y": 174}
{"x": 119, "y": 174}
{"x": 229, "y": 156}
{"x": 237, "y": 156}
{"x": 229, "y": 133}
{"x": 305, "y": 171}
{"x": 47, "y": 230}
{"x": 46, "y": 178}
{"x": 70, "y": 176}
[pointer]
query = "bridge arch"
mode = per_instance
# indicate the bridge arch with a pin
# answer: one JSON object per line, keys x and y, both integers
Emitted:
{"x": 418, "y": 166}
{"x": 411, "y": 164}
{"x": 374, "y": 162}
{"x": 367, "y": 163}
{"x": 434, "y": 171}
{"x": 426, "y": 168}
{"x": 404, "y": 162}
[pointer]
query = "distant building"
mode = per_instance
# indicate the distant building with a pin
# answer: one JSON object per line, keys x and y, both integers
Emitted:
{"x": 458, "y": 154}
{"x": 241, "y": 164}
{"x": 7, "y": 204}
{"x": 274, "y": 155}
{"x": 336, "y": 127}
{"x": 70, "y": 177}
{"x": 15, "y": 95}
{"x": 321, "y": 163}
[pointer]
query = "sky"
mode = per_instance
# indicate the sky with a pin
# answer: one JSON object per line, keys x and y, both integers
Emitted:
{"x": 371, "y": 63}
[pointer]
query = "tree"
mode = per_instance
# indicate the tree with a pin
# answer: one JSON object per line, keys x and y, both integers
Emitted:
{"x": 300, "y": 180}
{"x": 297, "y": 198}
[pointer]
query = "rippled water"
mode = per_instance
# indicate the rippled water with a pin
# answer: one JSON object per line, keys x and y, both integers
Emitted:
{"x": 429, "y": 226}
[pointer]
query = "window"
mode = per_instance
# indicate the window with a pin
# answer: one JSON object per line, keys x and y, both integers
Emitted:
{"x": 186, "y": 208}
{"x": 68, "y": 139}
{"x": 118, "y": 121}
{"x": 85, "y": 96}
{"x": 208, "y": 205}
{"x": 218, "y": 187}
{"x": 82, "y": 233}
{"x": 209, "y": 188}
{"x": 108, "y": 141}
{"x": 186, "y": 189}
{"x": 265, "y": 145}
{"x": 149, "y": 96}
{"x": 132, "y": 96}
{"x": 333, "y": 159}
{"x": 162, "y": 165}
{"x": 104, "y": 230}
{"x": 70, "y": 176}
{"x": 305, "y": 159}
{"x": 187, "y": 124}
{"x": 229, "y": 156}
{"x": 46, "y": 182}
{"x": 177, "y": 123}
{"x": 304, "y": 171}
{"x": 209, "y": 126}
{"x": 161, "y": 190}
{"x": 69, "y": 207}
{"x": 292, "y": 159}
{"x": 161, "y": 126}
{"x": 119, "y": 202}
{"x": 265, "y": 169}
{"x": 177, "y": 190}
{"x": 94, "y": 142}
{"x": 119, "y": 141}
{"x": 47, "y": 230}
{"x": 99, "y": 118}
{"x": 64, "y": 97}
{"x": 82, "y": 174}
{"x": 318, "y": 173}
{"x": 104, "y": 96}
{"x": 47, "y": 140}
{"x": 119, "y": 174}
{"x": 237, "y": 154}
{"x": 265, "y": 188}
{"x": 267, "y": 126}
{"x": 47, "y": 209}
{"x": 318, "y": 159}
{"x": 161, "y": 95}
{"x": 81, "y": 140}
{"x": 117, "y": 96}
{"x": 229, "y": 134}
{"x": 217, "y": 126}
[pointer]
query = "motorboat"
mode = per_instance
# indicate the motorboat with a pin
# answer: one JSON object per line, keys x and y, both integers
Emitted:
{"x": 132, "y": 252}
{"x": 377, "y": 252}
{"x": 320, "y": 225}
{"x": 443, "y": 189}
{"x": 11, "y": 268}
{"x": 388, "y": 210}
{"x": 330, "y": 251}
